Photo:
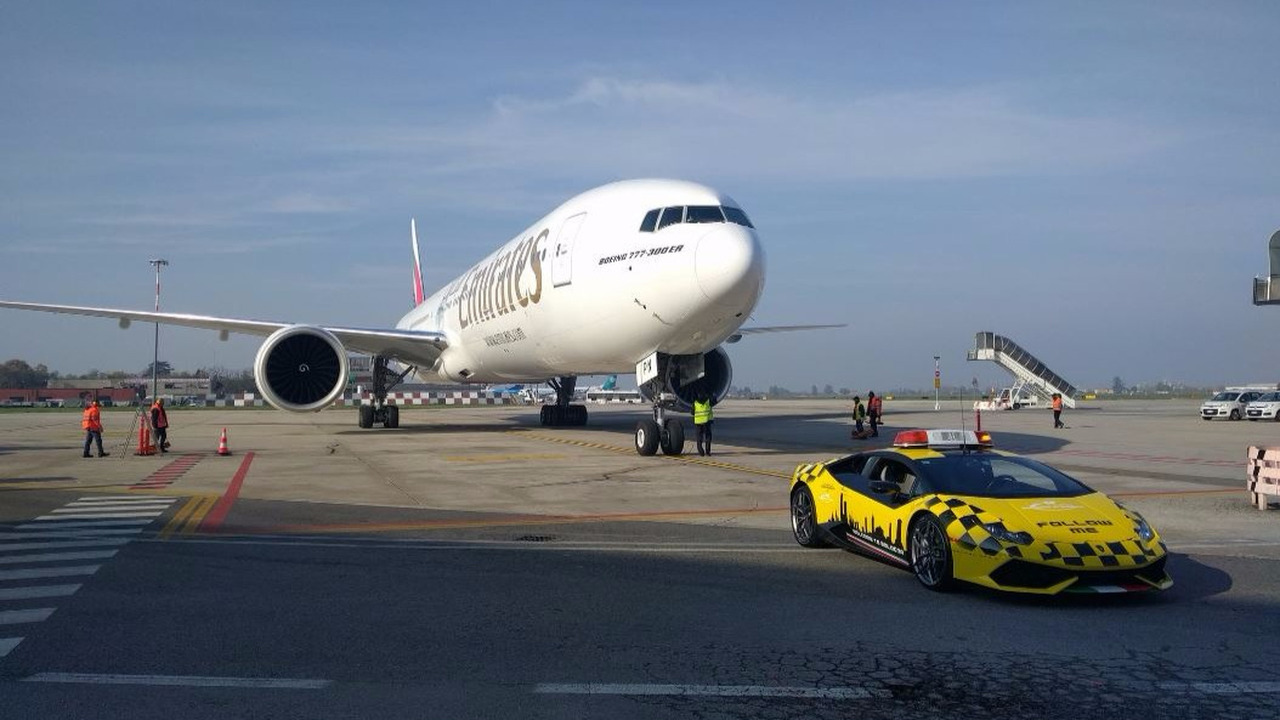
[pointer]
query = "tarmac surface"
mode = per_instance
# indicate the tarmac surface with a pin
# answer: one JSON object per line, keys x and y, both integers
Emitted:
{"x": 474, "y": 564}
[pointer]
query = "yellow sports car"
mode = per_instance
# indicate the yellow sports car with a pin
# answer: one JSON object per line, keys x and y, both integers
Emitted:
{"x": 948, "y": 506}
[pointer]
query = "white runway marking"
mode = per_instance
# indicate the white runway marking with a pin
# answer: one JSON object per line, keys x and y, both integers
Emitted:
{"x": 181, "y": 680}
{"x": 74, "y": 509}
{"x": 57, "y": 557}
{"x": 38, "y": 591}
{"x": 124, "y": 498}
{"x": 8, "y": 644}
{"x": 89, "y": 502}
{"x": 834, "y": 693}
{"x": 86, "y": 524}
{"x": 60, "y": 544}
{"x": 18, "y": 617}
{"x": 99, "y": 516}
{"x": 85, "y": 533}
{"x": 48, "y": 572}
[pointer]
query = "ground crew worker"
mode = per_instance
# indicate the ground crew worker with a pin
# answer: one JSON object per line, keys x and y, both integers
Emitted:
{"x": 873, "y": 413}
{"x": 859, "y": 415}
{"x": 702, "y": 417}
{"x": 91, "y": 421}
{"x": 1057, "y": 410}
{"x": 160, "y": 421}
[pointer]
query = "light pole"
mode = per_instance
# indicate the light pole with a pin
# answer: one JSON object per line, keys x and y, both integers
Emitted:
{"x": 157, "y": 263}
{"x": 937, "y": 381}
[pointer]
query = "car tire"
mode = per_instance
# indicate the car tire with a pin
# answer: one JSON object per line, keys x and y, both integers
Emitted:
{"x": 804, "y": 518}
{"x": 931, "y": 554}
{"x": 647, "y": 437}
{"x": 1235, "y": 414}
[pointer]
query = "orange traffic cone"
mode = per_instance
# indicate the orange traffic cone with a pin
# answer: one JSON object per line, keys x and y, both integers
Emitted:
{"x": 144, "y": 440}
{"x": 222, "y": 444}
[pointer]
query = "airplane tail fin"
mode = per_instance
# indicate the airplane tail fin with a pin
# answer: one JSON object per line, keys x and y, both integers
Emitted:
{"x": 418, "y": 294}
{"x": 610, "y": 383}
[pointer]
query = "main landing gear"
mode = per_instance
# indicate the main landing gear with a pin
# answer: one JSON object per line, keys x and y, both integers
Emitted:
{"x": 562, "y": 413}
{"x": 380, "y": 411}
{"x": 660, "y": 432}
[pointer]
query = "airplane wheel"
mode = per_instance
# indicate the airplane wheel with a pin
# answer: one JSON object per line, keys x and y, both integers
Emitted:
{"x": 647, "y": 437}
{"x": 579, "y": 415}
{"x": 546, "y": 415}
{"x": 931, "y": 554}
{"x": 393, "y": 417}
{"x": 804, "y": 518}
{"x": 672, "y": 441}
{"x": 366, "y": 416}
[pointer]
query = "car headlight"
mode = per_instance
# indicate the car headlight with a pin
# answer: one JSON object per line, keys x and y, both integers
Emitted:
{"x": 1003, "y": 534}
{"x": 1144, "y": 530}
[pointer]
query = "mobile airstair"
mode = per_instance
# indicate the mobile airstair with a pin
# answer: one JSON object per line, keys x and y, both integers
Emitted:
{"x": 1031, "y": 374}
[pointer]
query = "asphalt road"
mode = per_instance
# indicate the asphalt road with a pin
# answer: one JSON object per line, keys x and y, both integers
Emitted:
{"x": 526, "y": 578}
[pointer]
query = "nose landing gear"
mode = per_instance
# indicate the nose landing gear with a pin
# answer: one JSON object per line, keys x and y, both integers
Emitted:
{"x": 660, "y": 432}
{"x": 563, "y": 413}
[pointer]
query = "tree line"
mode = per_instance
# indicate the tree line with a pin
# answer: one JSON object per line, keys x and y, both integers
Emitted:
{"x": 17, "y": 373}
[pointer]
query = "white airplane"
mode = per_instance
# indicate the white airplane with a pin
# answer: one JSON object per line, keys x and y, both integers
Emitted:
{"x": 643, "y": 276}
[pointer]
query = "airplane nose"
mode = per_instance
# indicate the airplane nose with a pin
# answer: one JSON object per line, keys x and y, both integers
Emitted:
{"x": 729, "y": 264}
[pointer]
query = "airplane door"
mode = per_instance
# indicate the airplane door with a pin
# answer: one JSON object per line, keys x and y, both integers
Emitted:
{"x": 562, "y": 257}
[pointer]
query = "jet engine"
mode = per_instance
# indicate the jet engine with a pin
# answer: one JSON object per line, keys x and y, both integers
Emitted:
{"x": 682, "y": 377}
{"x": 301, "y": 368}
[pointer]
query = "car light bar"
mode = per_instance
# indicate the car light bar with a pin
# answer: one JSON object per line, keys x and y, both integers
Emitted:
{"x": 942, "y": 438}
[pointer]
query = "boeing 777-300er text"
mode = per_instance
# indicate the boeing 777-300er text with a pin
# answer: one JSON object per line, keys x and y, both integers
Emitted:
{"x": 643, "y": 276}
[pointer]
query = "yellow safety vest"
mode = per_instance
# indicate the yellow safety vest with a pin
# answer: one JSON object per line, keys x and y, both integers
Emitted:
{"x": 701, "y": 412}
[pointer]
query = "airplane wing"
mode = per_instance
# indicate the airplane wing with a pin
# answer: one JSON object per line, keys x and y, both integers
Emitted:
{"x": 776, "y": 329}
{"x": 413, "y": 346}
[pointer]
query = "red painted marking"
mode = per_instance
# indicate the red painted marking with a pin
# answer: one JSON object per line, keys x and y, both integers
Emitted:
{"x": 223, "y": 506}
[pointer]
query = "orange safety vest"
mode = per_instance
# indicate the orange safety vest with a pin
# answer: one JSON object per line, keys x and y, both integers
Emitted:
{"x": 92, "y": 419}
{"x": 158, "y": 416}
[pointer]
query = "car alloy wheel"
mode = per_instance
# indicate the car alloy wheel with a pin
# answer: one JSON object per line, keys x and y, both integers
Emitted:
{"x": 804, "y": 518}
{"x": 930, "y": 554}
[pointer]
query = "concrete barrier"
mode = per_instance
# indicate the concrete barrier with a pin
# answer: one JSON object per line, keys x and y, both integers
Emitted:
{"x": 1263, "y": 475}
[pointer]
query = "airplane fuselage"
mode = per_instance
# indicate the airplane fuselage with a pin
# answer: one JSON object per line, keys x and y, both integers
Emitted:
{"x": 597, "y": 285}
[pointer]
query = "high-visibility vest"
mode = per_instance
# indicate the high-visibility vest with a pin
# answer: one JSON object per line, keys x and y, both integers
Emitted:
{"x": 701, "y": 412}
{"x": 158, "y": 416}
{"x": 859, "y": 412}
{"x": 92, "y": 419}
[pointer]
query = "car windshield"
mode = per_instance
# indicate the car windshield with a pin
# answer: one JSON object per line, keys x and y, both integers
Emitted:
{"x": 1268, "y": 397}
{"x": 997, "y": 476}
{"x": 1225, "y": 396}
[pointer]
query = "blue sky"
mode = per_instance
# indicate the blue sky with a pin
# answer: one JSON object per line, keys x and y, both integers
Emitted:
{"x": 1096, "y": 180}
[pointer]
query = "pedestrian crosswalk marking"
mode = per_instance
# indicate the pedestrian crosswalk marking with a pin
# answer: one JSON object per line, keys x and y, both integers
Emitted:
{"x": 56, "y": 557}
{"x": 38, "y": 591}
{"x": 20, "y": 617}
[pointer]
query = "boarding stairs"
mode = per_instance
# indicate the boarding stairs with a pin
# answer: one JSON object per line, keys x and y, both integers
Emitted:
{"x": 1030, "y": 373}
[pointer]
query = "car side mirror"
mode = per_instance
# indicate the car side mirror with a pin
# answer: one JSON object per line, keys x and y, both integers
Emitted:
{"x": 883, "y": 487}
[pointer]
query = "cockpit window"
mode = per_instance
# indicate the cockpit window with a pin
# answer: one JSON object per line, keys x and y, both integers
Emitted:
{"x": 671, "y": 216}
{"x": 694, "y": 214}
{"x": 650, "y": 220}
{"x": 704, "y": 214}
{"x": 736, "y": 216}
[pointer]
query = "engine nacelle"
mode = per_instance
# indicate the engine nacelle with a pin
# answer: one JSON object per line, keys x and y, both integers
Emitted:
{"x": 684, "y": 376}
{"x": 301, "y": 368}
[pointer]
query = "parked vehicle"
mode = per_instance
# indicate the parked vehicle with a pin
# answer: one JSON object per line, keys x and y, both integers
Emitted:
{"x": 1232, "y": 402}
{"x": 1266, "y": 407}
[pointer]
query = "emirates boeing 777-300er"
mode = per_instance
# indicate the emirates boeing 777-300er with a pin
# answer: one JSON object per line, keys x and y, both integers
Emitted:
{"x": 643, "y": 276}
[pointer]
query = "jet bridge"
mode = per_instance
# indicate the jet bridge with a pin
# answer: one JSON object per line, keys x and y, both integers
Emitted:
{"x": 1031, "y": 374}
